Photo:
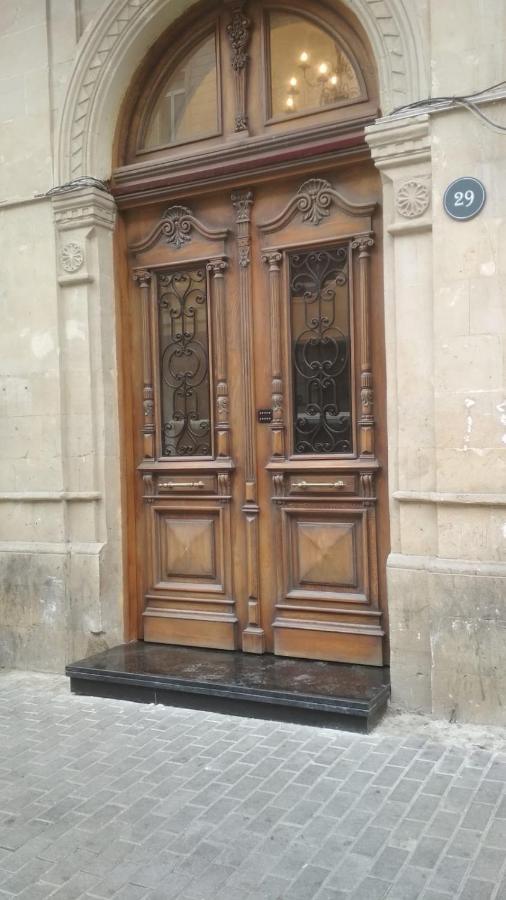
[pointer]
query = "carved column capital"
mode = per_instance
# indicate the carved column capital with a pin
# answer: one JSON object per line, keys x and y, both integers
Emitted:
{"x": 272, "y": 258}
{"x": 142, "y": 277}
{"x": 362, "y": 243}
{"x": 217, "y": 267}
{"x": 242, "y": 202}
{"x": 84, "y": 208}
{"x": 397, "y": 143}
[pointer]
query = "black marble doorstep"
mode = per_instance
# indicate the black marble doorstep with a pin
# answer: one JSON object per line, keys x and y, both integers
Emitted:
{"x": 272, "y": 687}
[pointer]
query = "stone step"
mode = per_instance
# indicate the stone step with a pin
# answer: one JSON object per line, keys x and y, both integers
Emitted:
{"x": 335, "y": 695}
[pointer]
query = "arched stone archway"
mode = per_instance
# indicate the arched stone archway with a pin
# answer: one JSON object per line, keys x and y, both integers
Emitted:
{"x": 122, "y": 34}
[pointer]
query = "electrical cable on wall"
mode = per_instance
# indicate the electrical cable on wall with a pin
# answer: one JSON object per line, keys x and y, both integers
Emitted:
{"x": 84, "y": 181}
{"x": 467, "y": 101}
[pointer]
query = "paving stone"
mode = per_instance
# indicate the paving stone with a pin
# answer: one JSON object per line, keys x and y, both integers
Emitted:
{"x": 477, "y": 816}
{"x": 370, "y": 841}
{"x": 477, "y": 890}
{"x": 371, "y": 889}
{"x": 410, "y": 884}
{"x": 465, "y": 844}
{"x": 489, "y": 863}
{"x": 496, "y": 834}
{"x": 307, "y": 882}
{"x": 389, "y": 863}
{"x": 449, "y": 875}
{"x": 106, "y": 800}
{"x": 427, "y": 852}
{"x": 407, "y": 833}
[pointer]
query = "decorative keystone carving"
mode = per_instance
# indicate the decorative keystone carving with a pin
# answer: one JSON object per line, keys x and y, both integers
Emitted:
{"x": 412, "y": 199}
{"x": 177, "y": 226}
{"x": 314, "y": 199}
{"x": 71, "y": 256}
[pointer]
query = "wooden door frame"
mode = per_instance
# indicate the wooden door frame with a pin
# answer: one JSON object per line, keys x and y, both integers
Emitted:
{"x": 128, "y": 416}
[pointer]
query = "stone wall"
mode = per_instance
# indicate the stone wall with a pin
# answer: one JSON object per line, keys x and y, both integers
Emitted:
{"x": 64, "y": 67}
{"x": 60, "y": 525}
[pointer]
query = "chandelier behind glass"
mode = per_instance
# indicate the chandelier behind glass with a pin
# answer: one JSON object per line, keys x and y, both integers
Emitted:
{"x": 321, "y": 76}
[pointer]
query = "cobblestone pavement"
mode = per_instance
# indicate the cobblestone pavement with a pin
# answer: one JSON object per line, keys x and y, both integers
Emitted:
{"x": 101, "y": 798}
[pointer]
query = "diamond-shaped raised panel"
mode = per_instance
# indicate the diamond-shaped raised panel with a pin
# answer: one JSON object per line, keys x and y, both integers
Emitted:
{"x": 189, "y": 550}
{"x": 326, "y": 554}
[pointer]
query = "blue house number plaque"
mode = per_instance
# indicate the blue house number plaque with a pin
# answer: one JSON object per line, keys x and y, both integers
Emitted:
{"x": 464, "y": 198}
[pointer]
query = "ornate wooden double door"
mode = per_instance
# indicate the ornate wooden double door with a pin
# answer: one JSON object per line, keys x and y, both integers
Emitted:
{"x": 257, "y": 366}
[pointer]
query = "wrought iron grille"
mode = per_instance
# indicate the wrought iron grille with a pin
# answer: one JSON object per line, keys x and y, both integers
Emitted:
{"x": 321, "y": 367}
{"x": 184, "y": 363}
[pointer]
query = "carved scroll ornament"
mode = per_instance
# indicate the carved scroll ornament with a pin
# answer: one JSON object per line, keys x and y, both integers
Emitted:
{"x": 176, "y": 228}
{"x": 314, "y": 200}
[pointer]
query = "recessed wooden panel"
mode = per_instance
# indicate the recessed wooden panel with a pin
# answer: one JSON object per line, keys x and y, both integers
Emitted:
{"x": 189, "y": 548}
{"x": 325, "y": 554}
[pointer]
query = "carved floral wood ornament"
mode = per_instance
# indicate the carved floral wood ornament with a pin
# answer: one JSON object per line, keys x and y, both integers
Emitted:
{"x": 239, "y": 33}
{"x": 176, "y": 228}
{"x": 314, "y": 199}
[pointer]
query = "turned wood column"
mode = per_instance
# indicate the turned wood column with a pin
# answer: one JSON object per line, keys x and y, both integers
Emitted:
{"x": 363, "y": 243}
{"x": 253, "y": 637}
{"x": 273, "y": 259}
{"x": 143, "y": 279}
{"x": 216, "y": 268}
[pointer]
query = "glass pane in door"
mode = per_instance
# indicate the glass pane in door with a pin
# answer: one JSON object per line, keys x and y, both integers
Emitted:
{"x": 185, "y": 379}
{"x": 321, "y": 351}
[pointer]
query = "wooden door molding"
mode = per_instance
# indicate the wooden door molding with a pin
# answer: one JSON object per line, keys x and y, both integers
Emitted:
{"x": 187, "y": 585}
{"x": 217, "y": 268}
{"x": 324, "y": 505}
{"x": 253, "y": 636}
{"x": 363, "y": 244}
{"x": 273, "y": 258}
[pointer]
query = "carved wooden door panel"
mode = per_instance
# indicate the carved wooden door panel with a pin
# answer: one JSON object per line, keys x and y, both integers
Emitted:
{"x": 318, "y": 462}
{"x": 257, "y": 471}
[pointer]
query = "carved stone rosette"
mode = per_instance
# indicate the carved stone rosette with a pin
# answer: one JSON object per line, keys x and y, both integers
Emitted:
{"x": 363, "y": 243}
{"x": 412, "y": 198}
{"x": 239, "y": 34}
{"x": 71, "y": 257}
{"x": 143, "y": 278}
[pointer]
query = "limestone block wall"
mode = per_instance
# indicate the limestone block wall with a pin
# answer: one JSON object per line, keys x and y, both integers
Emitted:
{"x": 60, "y": 527}
{"x": 446, "y": 341}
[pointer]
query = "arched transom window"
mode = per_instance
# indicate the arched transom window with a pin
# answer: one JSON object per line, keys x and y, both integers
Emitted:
{"x": 240, "y": 70}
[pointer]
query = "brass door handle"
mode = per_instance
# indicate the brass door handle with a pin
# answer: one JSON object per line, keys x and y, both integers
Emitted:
{"x": 319, "y": 484}
{"x": 170, "y": 485}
